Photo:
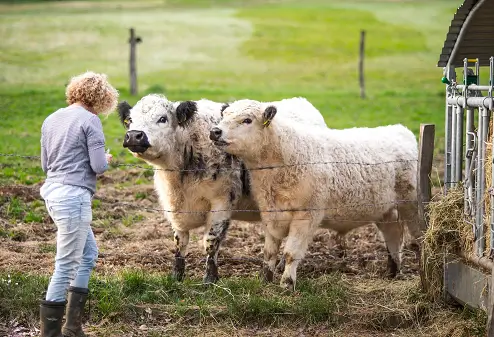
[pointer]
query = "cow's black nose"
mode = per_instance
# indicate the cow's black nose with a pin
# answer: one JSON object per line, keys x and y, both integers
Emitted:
{"x": 136, "y": 141}
{"x": 215, "y": 133}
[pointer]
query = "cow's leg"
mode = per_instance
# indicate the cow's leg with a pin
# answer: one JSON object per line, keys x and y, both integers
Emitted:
{"x": 281, "y": 265}
{"x": 341, "y": 245}
{"x": 181, "y": 239}
{"x": 219, "y": 223}
{"x": 409, "y": 215}
{"x": 271, "y": 248}
{"x": 299, "y": 237}
{"x": 392, "y": 231}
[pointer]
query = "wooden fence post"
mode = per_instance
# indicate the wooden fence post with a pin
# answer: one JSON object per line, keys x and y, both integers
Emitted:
{"x": 424, "y": 169}
{"x": 133, "y": 41}
{"x": 361, "y": 64}
{"x": 426, "y": 156}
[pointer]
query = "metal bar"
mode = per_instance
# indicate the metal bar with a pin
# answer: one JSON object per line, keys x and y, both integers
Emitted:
{"x": 454, "y": 153}
{"x": 469, "y": 153}
{"x": 491, "y": 81}
{"x": 477, "y": 70}
{"x": 491, "y": 195}
{"x": 473, "y": 102}
{"x": 459, "y": 143}
{"x": 491, "y": 84}
{"x": 451, "y": 76}
{"x": 473, "y": 87}
{"x": 482, "y": 261}
{"x": 479, "y": 232}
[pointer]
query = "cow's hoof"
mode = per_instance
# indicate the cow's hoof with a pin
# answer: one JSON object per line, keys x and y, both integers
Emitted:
{"x": 211, "y": 273}
{"x": 210, "y": 279}
{"x": 287, "y": 284}
{"x": 267, "y": 274}
{"x": 281, "y": 265}
{"x": 179, "y": 269}
{"x": 392, "y": 268}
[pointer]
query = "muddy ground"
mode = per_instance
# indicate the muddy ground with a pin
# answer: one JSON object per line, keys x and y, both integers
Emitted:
{"x": 131, "y": 232}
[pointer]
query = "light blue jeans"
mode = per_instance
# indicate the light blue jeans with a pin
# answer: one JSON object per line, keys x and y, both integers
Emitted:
{"x": 76, "y": 247}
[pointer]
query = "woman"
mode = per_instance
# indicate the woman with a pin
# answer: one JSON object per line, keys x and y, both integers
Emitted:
{"x": 72, "y": 154}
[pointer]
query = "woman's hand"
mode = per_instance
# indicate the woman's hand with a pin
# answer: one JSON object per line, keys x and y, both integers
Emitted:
{"x": 109, "y": 157}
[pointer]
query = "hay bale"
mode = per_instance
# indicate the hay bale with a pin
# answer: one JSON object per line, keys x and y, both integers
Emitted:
{"x": 447, "y": 233}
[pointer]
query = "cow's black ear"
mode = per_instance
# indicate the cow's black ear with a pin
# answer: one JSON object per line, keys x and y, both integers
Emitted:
{"x": 124, "y": 113}
{"x": 223, "y": 107}
{"x": 185, "y": 111}
{"x": 268, "y": 115}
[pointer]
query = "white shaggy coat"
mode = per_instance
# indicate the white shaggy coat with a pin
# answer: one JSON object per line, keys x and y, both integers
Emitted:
{"x": 336, "y": 179}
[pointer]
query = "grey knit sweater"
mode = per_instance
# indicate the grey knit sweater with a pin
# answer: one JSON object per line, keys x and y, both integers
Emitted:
{"x": 73, "y": 147}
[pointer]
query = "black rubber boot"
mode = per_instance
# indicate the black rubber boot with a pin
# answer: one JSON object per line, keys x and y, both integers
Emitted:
{"x": 76, "y": 300}
{"x": 51, "y": 314}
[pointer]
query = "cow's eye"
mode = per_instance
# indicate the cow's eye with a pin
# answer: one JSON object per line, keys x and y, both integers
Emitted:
{"x": 163, "y": 119}
{"x": 247, "y": 121}
{"x": 127, "y": 121}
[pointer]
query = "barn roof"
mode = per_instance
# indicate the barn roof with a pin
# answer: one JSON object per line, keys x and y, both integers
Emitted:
{"x": 470, "y": 35}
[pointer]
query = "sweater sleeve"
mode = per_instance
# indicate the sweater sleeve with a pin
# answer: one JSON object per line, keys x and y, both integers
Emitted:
{"x": 96, "y": 145}
{"x": 44, "y": 164}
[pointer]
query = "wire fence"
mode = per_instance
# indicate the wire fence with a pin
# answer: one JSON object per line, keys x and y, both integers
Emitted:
{"x": 307, "y": 209}
{"x": 271, "y": 167}
{"x": 34, "y": 191}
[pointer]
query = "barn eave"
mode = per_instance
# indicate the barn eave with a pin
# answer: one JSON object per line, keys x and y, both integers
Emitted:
{"x": 470, "y": 34}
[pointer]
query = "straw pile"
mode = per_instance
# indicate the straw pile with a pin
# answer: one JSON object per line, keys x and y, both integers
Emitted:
{"x": 449, "y": 231}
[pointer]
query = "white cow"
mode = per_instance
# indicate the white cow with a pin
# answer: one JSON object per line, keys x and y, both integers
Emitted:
{"x": 357, "y": 177}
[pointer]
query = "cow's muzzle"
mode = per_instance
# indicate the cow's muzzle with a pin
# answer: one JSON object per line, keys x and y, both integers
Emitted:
{"x": 215, "y": 134}
{"x": 136, "y": 141}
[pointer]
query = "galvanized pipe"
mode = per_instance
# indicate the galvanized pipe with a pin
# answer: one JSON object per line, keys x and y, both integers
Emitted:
{"x": 459, "y": 144}
{"x": 482, "y": 130}
{"x": 469, "y": 161}
{"x": 451, "y": 76}
{"x": 454, "y": 153}
{"x": 473, "y": 87}
{"x": 447, "y": 151}
{"x": 482, "y": 261}
{"x": 491, "y": 195}
{"x": 472, "y": 102}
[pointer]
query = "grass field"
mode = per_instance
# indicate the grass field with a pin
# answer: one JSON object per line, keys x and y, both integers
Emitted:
{"x": 221, "y": 50}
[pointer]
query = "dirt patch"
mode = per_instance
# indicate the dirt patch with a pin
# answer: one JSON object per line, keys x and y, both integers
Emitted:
{"x": 26, "y": 193}
{"x": 138, "y": 236}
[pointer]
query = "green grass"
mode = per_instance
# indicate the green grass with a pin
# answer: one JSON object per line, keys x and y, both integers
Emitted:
{"x": 244, "y": 301}
{"x": 15, "y": 209}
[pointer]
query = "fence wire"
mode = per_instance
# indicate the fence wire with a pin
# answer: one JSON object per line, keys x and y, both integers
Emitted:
{"x": 116, "y": 203}
{"x": 271, "y": 167}
{"x": 235, "y": 210}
